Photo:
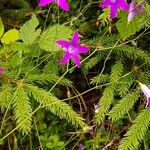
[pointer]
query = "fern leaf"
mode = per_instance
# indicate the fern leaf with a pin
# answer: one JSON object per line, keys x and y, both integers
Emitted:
{"x": 116, "y": 72}
{"x": 56, "y": 106}
{"x": 100, "y": 79}
{"x": 5, "y": 95}
{"x": 123, "y": 86}
{"x": 136, "y": 132}
{"x": 105, "y": 102}
{"x": 22, "y": 110}
{"x": 52, "y": 78}
{"x": 124, "y": 105}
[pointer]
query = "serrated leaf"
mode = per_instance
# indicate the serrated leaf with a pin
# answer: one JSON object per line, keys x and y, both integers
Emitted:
{"x": 1, "y": 27}
{"x": 19, "y": 46}
{"x": 22, "y": 110}
{"x": 126, "y": 29}
{"x": 28, "y": 32}
{"x": 10, "y": 36}
{"x": 56, "y": 32}
{"x": 56, "y": 106}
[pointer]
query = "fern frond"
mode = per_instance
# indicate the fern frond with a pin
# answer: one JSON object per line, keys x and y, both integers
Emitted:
{"x": 124, "y": 105}
{"x": 123, "y": 86}
{"x": 103, "y": 78}
{"x": 116, "y": 72}
{"x": 22, "y": 110}
{"x": 136, "y": 132}
{"x": 16, "y": 14}
{"x": 105, "y": 102}
{"x": 132, "y": 53}
{"x": 5, "y": 95}
{"x": 91, "y": 63}
{"x": 108, "y": 94}
{"x": 52, "y": 78}
{"x": 56, "y": 106}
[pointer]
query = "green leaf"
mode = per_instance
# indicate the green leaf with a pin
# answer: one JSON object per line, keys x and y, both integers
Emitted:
{"x": 126, "y": 29}
{"x": 19, "y": 46}
{"x": 105, "y": 102}
{"x": 56, "y": 106}
{"x": 137, "y": 132}
{"x": 116, "y": 72}
{"x": 22, "y": 110}
{"x": 28, "y": 32}
{"x": 5, "y": 95}
{"x": 1, "y": 27}
{"x": 124, "y": 105}
{"x": 10, "y": 36}
{"x": 49, "y": 37}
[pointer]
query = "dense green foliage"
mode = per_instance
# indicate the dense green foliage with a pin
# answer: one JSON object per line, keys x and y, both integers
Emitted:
{"x": 46, "y": 105}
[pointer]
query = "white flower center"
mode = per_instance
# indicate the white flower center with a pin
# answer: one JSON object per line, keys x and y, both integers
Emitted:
{"x": 71, "y": 49}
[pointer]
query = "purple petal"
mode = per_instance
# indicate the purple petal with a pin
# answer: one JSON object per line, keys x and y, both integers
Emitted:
{"x": 63, "y": 43}
{"x": 148, "y": 102}
{"x": 133, "y": 10}
{"x": 80, "y": 147}
{"x": 1, "y": 70}
{"x": 105, "y": 3}
{"x": 83, "y": 49}
{"x": 77, "y": 60}
{"x": 63, "y": 4}
{"x": 131, "y": 15}
{"x": 139, "y": 8}
{"x": 65, "y": 58}
{"x": 44, "y": 2}
{"x": 75, "y": 38}
{"x": 113, "y": 11}
{"x": 123, "y": 5}
{"x": 145, "y": 89}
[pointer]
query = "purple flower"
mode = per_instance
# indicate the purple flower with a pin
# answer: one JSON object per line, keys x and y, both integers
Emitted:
{"x": 61, "y": 3}
{"x": 80, "y": 147}
{"x": 1, "y": 70}
{"x": 114, "y": 5}
{"x": 96, "y": 108}
{"x": 72, "y": 49}
{"x": 146, "y": 92}
{"x": 133, "y": 10}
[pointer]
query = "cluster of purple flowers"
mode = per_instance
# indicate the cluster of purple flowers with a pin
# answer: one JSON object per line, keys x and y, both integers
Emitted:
{"x": 132, "y": 8}
{"x": 73, "y": 49}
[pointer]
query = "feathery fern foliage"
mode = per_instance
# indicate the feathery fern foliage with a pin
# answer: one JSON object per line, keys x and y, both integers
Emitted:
{"x": 29, "y": 77}
{"x": 136, "y": 132}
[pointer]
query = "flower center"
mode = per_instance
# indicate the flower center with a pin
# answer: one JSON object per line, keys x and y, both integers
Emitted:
{"x": 71, "y": 49}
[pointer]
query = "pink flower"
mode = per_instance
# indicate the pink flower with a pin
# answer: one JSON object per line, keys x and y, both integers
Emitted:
{"x": 146, "y": 92}
{"x": 114, "y": 5}
{"x": 72, "y": 49}
{"x": 61, "y": 3}
{"x": 2, "y": 70}
{"x": 133, "y": 10}
{"x": 80, "y": 147}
